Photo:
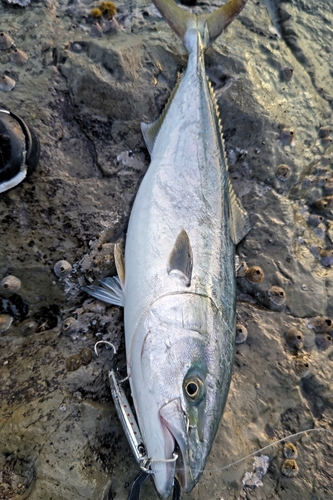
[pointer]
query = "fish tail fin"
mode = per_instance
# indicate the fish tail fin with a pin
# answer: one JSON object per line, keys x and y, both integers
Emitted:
{"x": 179, "y": 19}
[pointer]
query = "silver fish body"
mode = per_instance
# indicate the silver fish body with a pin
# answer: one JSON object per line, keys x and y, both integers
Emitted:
{"x": 179, "y": 290}
{"x": 180, "y": 328}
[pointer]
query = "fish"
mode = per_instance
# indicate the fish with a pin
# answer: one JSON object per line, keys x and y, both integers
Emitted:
{"x": 176, "y": 279}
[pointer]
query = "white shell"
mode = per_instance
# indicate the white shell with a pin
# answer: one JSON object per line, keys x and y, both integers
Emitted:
{"x": 6, "y": 83}
{"x": 5, "y": 322}
{"x": 62, "y": 268}
{"x": 10, "y": 284}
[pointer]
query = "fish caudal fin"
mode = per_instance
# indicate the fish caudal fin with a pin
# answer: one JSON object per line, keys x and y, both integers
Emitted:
{"x": 111, "y": 291}
{"x": 179, "y": 19}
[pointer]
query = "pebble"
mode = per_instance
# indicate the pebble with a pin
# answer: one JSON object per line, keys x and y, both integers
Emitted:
{"x": 73, "y": 363}
{"x": 85, "y": 356}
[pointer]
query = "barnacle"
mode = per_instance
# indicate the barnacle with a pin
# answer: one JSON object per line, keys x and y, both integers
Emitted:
{"x": 10, "y": 284}
{"x": 276, "y": 295}
{"x": 69, "y": 325}
{"x": 85, "y": 356}
{"x": 254, "y": 274}
{"x": 283, "y": 172}
{"x": 289, "y": 450}
{"x": 286, "y": 136}
{"x": 96, "y": 30}
{"x": 301, "y": 366}
{"x": 5, "y": 322}
{"x": 62, "y": 268}
{"x": 294, "y": 339}
{"x": 18, "y": 57}
{"x": 96, "y": 13}
{"x": 241, "y": 333}
{"x": 73, "y": 363}
{"x": 319, "y": 324}
{"x": 286, "y": 74}
{"x": 6, "y": 83}
{"x": 289, "y": 468}
{"x": 323, "y": 341}
{"x": 6, "y": 41}
{"x": 324, "y": 132}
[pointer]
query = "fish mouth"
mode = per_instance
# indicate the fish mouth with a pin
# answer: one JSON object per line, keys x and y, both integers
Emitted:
{"x": 173, "y": 421}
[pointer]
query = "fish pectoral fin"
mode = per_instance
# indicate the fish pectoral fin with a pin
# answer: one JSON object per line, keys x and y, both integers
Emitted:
{"x": 120, "y": 263}
{"x": 110, "y": 292}
{"x": 239, "y": 219}
{"x": 181, "y": 259}
{"x": 150, "y": 130}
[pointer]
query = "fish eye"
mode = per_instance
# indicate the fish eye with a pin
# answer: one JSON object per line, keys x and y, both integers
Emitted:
{"x": 193, "y": 388}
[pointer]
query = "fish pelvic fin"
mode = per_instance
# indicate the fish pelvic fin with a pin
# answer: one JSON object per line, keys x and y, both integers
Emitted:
{"x": 180, "y": 19}
{"x": 120, "y": 263}
{"x": 110, "y": 291}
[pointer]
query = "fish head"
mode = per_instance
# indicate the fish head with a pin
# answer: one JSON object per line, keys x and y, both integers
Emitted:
{"x": 181, "y": 387}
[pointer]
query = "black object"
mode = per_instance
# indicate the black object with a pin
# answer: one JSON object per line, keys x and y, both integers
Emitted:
{"x": 19, "y": 150}
{"x": 142, "y": 478}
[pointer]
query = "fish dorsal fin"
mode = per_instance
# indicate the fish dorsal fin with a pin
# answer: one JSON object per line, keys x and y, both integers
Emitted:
{"x": 111, "y": 291}
{"x": 181, "y": 259}
{"x": 120, "y": 263}
{"x": 239, "y": 220}
{"x": 150, "y": 130}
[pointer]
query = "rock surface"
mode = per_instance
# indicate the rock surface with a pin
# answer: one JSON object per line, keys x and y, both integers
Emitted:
{"x": 86, "y": 96}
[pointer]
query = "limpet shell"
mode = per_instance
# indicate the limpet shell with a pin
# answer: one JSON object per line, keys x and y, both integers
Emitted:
{"x": 328, "y": 187}
{"x": 85, "y": 356}
{"x": 70, "y": 325}
{"x": 62, "y": 268}
{"x": 5, "y": 322}
{"x": 254, "y": 274}
{"x": 283, "y": 172}
{"x": 323, "y": 341}
{"x": 289, "y": 450}
{"x": 18, "y": 57}
{"x": 28, "y": 326}
{"x": 73, "y": 363}
{"x": 6, "y": 83}
{"x": 6, "y": 41}
{"x": 10, "y": 284}
{"x": 286, "y": 74}
{"x": 323, "y": 204}
{"x": 289, "y": 468}
{"x": 294, "y": 339}
{"x": 301, "y": 366}
{"x": 111, "y": 26}
{"x": 241, "y": 333}
{"x": 277, "y": 295}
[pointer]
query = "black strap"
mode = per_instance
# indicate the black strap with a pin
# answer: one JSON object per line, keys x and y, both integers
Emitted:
{"x": 142, "y": 477}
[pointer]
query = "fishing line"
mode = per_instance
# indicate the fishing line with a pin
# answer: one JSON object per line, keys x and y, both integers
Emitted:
{"x": 291, "y": 436}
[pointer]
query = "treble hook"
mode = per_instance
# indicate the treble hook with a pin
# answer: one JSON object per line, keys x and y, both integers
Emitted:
{"x": 142, "y": 478}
